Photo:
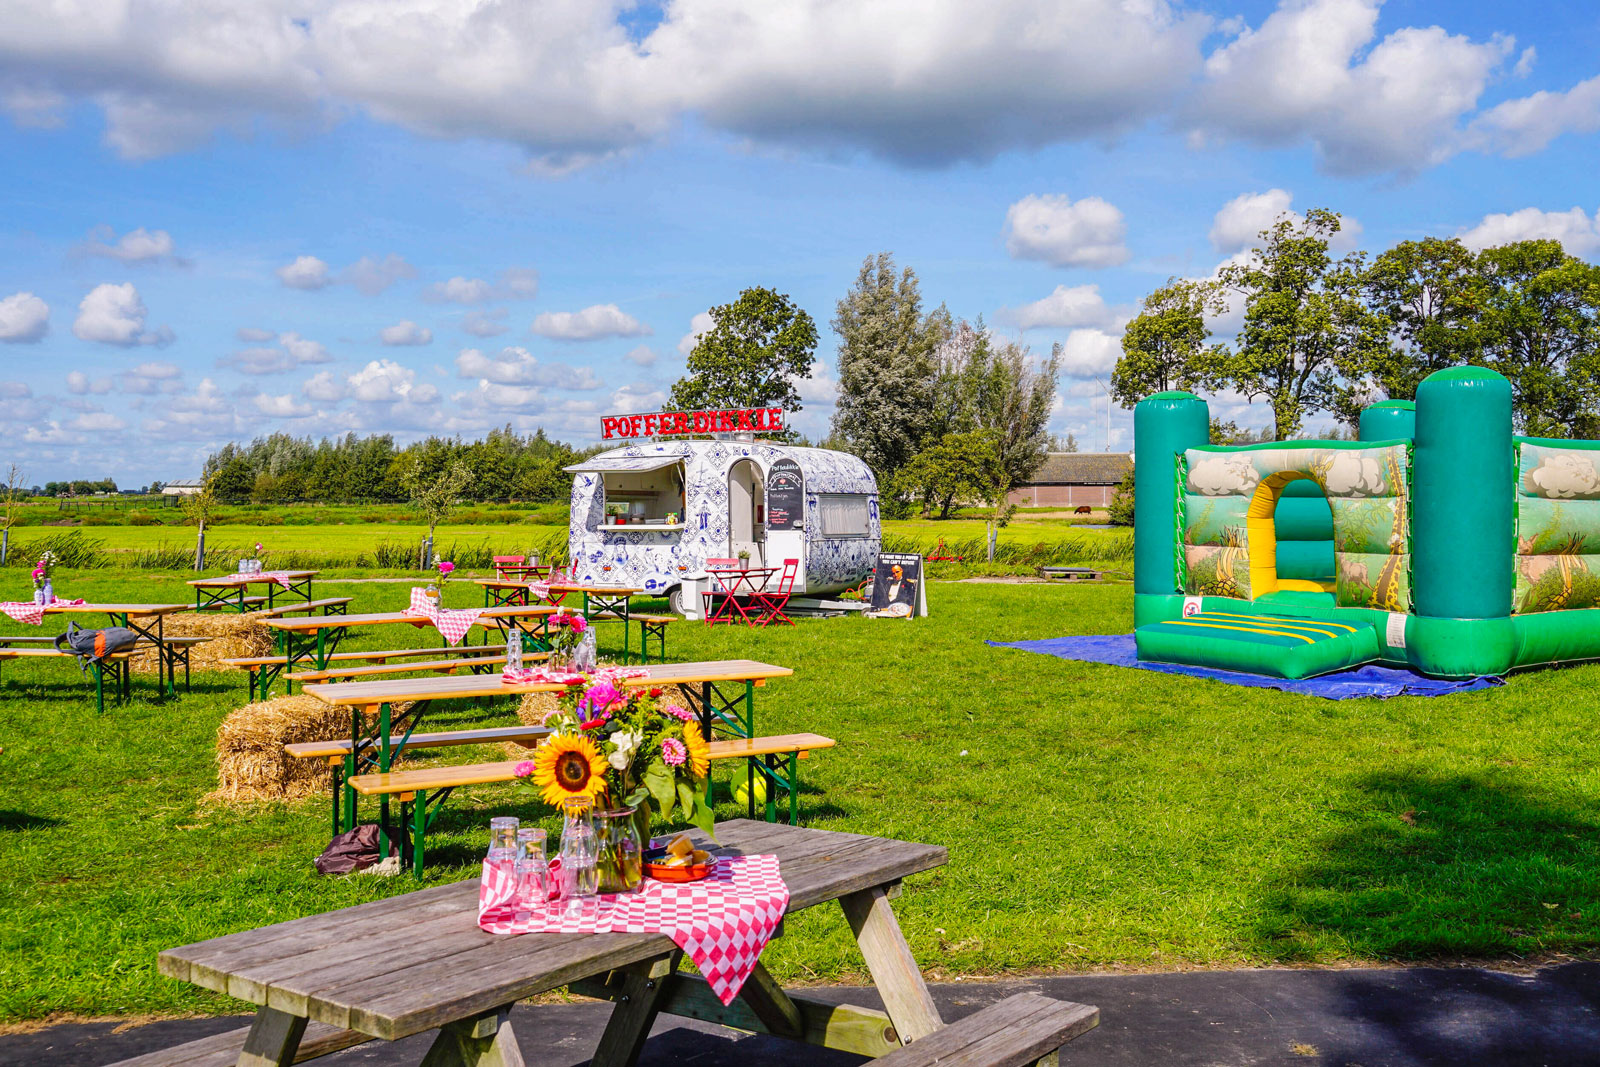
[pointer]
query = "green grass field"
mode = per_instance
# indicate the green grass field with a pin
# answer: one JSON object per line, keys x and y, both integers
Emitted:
{"x": 1096, "y": 817}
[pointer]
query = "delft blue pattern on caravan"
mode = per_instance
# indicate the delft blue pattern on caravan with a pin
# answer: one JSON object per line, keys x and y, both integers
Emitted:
{"x": 660, "y": 559}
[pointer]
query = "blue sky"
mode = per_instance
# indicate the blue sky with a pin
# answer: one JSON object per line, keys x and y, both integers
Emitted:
{"x": 435, "y": 216}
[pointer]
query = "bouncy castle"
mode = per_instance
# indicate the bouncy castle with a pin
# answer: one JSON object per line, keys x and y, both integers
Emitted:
{"x": 1438, "y": 541}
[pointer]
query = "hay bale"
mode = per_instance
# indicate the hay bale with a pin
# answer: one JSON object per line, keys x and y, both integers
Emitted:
{"x": 251, "y": 763}
{"x": 232, "y": 636}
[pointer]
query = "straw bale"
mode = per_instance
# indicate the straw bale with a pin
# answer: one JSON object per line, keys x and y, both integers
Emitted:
{"x": 232, "y": 636}
{"x": 251, "y": 763}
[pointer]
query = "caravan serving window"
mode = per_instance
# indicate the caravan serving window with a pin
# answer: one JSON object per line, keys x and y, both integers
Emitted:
{"x": 844, "y": 514}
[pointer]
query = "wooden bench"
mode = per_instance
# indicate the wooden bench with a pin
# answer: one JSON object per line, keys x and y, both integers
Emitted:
{"x": 333, "y": 605}
{"x": 1020, "y": 1030}
{"x": 649, "y": 626}
{"x": 180, "y": 646}
{"x": 222, "y": 1050}
{"x": 115, "y": 665}
{"x": 475, "y": 664}
{"x": 422, "y": 792}
{"x": 251, "y": 664}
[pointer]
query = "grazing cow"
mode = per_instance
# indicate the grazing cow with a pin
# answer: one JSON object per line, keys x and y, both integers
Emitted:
{"x": 1081, "y": 509}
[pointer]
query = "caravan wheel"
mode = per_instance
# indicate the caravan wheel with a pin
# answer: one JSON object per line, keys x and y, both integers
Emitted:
{"x": 678, "y": 601}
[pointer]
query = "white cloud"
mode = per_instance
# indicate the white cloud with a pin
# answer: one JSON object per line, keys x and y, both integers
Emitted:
{"x": 1086, "y": 353}
{"x": 1578, "y": 233}
{"x": 517, "y": 366}
{"x": 821, "y": 388}
{"x": 516, "y": 283}
{"x": 292, "y": 351}
{"x": 384, "y": 381}
{"x": 281, "y": 407}
{"x": 700, "y": 325}
{"x": 114, "y": 315}
{"x": 135, "y": 246}
{"x": 590, "y": 324}
{"x": 324, "y": 388}
{"x": 39, "y": 109}
{"x": 252, "y": 335}
{"x": 405, "y": 332}
{"x": 304, "y": 350}
{"x": 1066, "y": 233}
{"x": 1308, "y": 73}
{"x": 1066, "y": 306}
{"x": 638, "y": 396}
{"x": 15, "y": 390}
{"x": 373, "y": 276}
{"x": 306, "y": 272}
{"x": 80, "y": 384}
{"x": 1528, "y": 124}
{"x": 24, "y": 319}
{"x": 150, "y": 378}
{"x": 1240, "y": 222}
{"x": 485, "y": 323}
{"x": 97, "y": 422}
{"x": 642, "y": 356}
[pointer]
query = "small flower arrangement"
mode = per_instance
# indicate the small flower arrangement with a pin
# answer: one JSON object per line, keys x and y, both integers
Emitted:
{"x": 445, "y": 567}
{"x": 622, "y": 748}
{"x": 260, "y": 552}
{"x": 42, "y": 569}
{"x": 566, "y": 631}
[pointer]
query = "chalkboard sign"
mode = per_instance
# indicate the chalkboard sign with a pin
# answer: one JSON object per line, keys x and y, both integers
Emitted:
{"x": 897, "y": 587}
{"x": 786, "y": 496}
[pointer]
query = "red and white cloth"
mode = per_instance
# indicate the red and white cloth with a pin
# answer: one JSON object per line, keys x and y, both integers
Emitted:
{"x": 541, "y": 590}
{"x": 548, "y": 675}
{"x": 281, "y": 577}
{"x": 723, "y": 921}
{"x": 26, "y": 611}
{"x": 452, "y": 625}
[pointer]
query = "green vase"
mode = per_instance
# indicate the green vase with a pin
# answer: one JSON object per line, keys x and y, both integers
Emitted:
{"x": 619, "y": 848}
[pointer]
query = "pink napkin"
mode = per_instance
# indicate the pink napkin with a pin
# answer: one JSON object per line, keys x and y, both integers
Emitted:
{"x": 723, "y": 922}
{"x": 452, "y": 625}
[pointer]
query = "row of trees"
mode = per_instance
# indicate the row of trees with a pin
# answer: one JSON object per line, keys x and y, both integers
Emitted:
{"x": 503, "y": 466}
{"x": 1332, "y": 334}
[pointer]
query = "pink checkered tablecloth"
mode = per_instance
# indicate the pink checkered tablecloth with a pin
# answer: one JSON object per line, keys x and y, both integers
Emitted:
{"x": 551, "y": 676}
{"x": 281, "y": 577}
{"x": 452, "y": 625}
{"x": 26, "y": 611}
{"x": 722, "y": 922}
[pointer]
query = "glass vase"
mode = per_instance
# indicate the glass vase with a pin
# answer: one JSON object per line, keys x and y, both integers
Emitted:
{"x": 49, "y": 593}
{"x": 619, "y": 850}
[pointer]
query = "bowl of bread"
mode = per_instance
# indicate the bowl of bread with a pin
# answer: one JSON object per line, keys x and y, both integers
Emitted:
{"x": 678, "y": 861}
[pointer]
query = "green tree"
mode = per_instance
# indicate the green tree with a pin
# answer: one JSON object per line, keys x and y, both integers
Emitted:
{"x": 435, "y": 496}
{"x": 1121, "y": 509}
{"x": 1432, "y": 292}
{"x": 1164, "y": 346}
{"x": 997, "y": 388}
{"x": 1308, "y": 336}
{"x": 758, "y": 347}
{"x": 957, "y": 468}
{"x": 234, "y": 481}
{"x": 1540, "y": 327}
{"x": 885, "y": 408}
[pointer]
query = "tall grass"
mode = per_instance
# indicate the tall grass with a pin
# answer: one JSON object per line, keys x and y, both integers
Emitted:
{"x": 1109, "y": 547}
{"x": 387, "y": 554}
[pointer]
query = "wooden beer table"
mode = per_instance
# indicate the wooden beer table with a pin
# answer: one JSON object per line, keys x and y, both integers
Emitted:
{"x": 231, "y": 590}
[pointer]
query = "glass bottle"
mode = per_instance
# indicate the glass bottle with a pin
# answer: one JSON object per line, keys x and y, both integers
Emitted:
{"x": 577, "y": 853}
{"x": 619, "y": 858}
{"x": 533, "y": 873}
{"x": 514, "y": 649}
{"x": 584, "y": 656}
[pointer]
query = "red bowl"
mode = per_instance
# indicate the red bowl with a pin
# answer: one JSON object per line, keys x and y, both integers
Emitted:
{"x": 694, "y": 872}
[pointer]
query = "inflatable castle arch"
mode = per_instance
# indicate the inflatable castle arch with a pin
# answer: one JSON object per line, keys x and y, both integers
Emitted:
{"x": 1438, "y": 541}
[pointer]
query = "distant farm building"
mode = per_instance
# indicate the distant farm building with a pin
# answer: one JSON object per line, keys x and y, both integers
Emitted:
{"x": 182, "y": 488}
{"x": 1073, "y": 479}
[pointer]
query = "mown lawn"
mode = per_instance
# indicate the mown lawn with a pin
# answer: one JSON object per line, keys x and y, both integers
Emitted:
{"x": 1095, "y": 816}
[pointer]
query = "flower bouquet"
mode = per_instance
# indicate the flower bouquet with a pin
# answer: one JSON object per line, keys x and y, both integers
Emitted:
{"x": 43, "y": 591}
{"x": 630, "y": 754}
{"x": 566, "y": 630}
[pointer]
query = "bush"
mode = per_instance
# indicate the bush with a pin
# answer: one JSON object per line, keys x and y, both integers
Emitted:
{"x": 139, "y": 518}
{"x": 1121, "y": 510}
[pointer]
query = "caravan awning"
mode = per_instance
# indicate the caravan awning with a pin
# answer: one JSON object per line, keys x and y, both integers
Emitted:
{"x": 631, "y": 464}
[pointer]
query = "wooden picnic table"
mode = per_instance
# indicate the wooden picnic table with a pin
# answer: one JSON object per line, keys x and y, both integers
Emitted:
{"x": 373, "y": 723}
{"x": 407, "y": 964}
{"x": 230, "y": 590}
{"x": 146, "y": 620}
{"x": 314, "y": 638}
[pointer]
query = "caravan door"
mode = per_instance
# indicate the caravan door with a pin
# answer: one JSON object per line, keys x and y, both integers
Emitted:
{"x": 786, "y": 515}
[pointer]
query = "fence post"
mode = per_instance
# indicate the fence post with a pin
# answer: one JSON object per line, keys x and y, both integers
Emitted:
{"x": 5, "y": 545}
{"x": 992, "y": 532}
{"x": 200, "y": 549}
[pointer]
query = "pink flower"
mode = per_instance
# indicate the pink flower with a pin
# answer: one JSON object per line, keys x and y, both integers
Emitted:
{"x": 445, "y": 566}
{"x": 601, "y": 695}
{"x": 674, "y": 752}
{"x": 578, "y": 623}
{"x": 523, "y": 769}
{"x": 678, "y": 711}
{"x": 38, "y": 572}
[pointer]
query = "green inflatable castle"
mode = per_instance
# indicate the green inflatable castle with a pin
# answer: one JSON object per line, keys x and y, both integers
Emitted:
{"x": 1439, "y": 541}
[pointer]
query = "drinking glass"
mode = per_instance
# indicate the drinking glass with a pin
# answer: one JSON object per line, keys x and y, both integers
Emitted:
{"x": 533, "y": 873}
{"x": 514, "y": 649}
{"x": 503, "y": 838}
{"x": 579, "y": 878}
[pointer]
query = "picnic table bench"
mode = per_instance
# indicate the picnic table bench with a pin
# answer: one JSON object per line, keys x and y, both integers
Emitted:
{"x": 419, "y": 789}
{"x": 418, "y": 962}
{"x": 708, "y": 687}
{"x": 145, "y": 620}
{"x": 233, "y": 590}
{"x": 317, "y": 637}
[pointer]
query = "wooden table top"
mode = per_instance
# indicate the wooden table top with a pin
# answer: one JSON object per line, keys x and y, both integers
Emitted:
{"x": 118, "y": 609}
{"x": 592, "y": 587}
{"x": 397, "y": 967}
{"x": 251, "y": 579}
{"x": 384, "y": 618}
{"x": 490, "y": 685}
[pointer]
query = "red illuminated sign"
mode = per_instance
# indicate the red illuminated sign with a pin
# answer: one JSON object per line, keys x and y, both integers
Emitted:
{"x": 673, "y": 423}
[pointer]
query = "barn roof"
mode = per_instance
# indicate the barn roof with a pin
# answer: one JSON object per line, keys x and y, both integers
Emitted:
{"x": 1082, "y": 468}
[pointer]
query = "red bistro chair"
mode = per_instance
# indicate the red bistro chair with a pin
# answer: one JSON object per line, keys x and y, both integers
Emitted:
{"x": 505, "y": 563}
{"x": 775, "y": 601}
{"x": 718, "y": 589}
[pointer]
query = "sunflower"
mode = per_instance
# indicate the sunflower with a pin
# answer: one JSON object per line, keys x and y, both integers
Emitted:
{"x": 699, "y": 764}
{"x": 568, "y": 766}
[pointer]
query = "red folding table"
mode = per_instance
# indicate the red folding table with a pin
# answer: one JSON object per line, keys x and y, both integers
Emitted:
{"x": 737, "y": 582}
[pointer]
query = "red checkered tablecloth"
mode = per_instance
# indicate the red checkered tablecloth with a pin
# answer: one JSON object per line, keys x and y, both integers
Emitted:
{"x": 26, "y": 611}
{"x": 722, "y": 922}
{"x": 554, "y": 676}
{"x": 452, "y": 625}
{"x": 283, "y": 578}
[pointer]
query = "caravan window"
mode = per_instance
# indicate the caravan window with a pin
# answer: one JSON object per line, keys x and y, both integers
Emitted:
{"x": 644, "y": 498}
{"x": 844, "y": 514}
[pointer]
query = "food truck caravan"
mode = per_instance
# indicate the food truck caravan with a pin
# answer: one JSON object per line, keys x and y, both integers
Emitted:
{"x": 650, "y": 514}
